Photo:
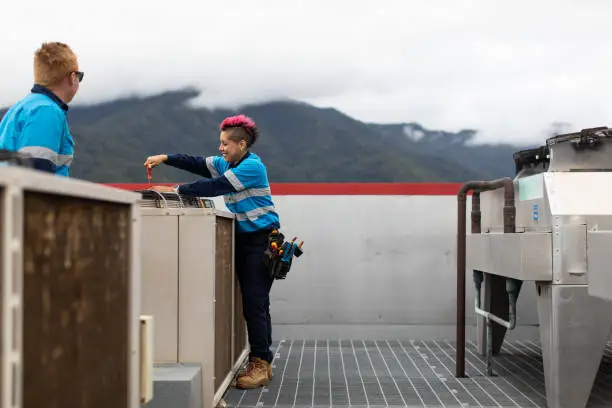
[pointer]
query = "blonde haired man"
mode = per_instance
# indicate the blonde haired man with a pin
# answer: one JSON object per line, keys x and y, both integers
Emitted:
{"x": 37, "y": 125}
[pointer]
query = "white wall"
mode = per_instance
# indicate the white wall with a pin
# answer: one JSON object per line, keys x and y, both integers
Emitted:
{"x": 372, "y": 266}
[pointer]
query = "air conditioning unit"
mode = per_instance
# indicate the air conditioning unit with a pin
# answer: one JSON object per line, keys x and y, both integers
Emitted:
{"x": 190, "y": 288}
{"x": 70, "y": 303}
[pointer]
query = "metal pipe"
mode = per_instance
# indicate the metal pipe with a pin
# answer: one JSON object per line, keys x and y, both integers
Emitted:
{"x": 513, "y": 287}
{"x": 476, "y": 216}
{"x": 478, "y": 279}
{"x": 492, "y": 317}
{"x": 489, "y": 348}
{"x": 509, "y": 226}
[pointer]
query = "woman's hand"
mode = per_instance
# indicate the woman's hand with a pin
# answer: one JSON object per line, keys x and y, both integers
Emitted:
{"x": 154, "y": 161}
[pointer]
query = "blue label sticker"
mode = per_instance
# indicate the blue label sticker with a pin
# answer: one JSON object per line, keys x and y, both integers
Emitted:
{"x": 535, "y": 212}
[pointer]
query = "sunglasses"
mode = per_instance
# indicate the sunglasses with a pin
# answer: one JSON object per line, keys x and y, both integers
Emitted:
{"x": 79, "y": 75}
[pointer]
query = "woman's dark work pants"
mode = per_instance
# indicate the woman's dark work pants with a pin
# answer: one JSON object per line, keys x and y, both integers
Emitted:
{"x": 255, "y": 284}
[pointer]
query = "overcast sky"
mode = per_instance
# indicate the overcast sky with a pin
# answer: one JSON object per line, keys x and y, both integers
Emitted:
{"x": 506, "y": 68}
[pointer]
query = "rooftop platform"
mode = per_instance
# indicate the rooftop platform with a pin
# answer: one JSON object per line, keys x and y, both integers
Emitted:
{"x": 405, "y": 373}
{"x": 379, "y": 272}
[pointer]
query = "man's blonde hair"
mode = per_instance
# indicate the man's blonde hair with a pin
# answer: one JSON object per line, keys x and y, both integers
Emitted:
{"x": 52, "y": 62}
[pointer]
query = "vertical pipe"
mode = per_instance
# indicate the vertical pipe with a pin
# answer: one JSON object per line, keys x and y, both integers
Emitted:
{"x": 489, "y": 347}
{"x": 509, "y": 226}
{"x": 476, "y": 213}
{"x": 477, "y": 229}
{"x": 513, "y": 286}
{"x": 509, "y": 208}
{"x": 460, "y": 362}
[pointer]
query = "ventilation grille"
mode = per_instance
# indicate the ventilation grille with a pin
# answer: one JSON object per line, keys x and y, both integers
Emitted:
{"x": 154, "y": 199}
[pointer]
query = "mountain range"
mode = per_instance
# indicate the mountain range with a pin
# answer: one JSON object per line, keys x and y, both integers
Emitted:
{"x": 298, "y": 143}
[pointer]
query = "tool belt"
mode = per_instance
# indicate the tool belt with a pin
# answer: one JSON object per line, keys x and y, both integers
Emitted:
{"x": 279, "y": 254}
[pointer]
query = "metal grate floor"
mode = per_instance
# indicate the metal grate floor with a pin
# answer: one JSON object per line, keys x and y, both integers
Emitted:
{"x": 392, "y": 373}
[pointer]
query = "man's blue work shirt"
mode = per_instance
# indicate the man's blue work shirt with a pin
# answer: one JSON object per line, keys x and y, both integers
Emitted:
{"x": 37, "y": 126}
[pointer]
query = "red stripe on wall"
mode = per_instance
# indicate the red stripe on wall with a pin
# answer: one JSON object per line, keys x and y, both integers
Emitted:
{"x": 340, "y": 188}
{"x": 364, "y": 189}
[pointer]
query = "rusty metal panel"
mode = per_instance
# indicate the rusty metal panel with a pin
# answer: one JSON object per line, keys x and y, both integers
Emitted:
{"x": 240, "y": 339}
{"x": 223, "y": 299}
{"x": 76, "y": 296}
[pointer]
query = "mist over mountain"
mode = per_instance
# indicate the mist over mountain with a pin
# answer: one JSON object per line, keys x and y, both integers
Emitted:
{"x": 298, "y": 143}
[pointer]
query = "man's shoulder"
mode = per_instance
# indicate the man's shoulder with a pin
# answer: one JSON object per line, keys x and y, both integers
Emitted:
{"x": 37, "y": 102}
{"x": 32, "y": 105}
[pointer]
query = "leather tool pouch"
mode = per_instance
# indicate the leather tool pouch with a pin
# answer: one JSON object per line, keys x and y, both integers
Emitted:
{"x": 272, "y": 259}
{"x": 279, "y": 254}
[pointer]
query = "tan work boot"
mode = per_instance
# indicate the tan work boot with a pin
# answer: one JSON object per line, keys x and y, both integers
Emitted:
{"x": 243, "y": 371}
{"x": 255, "y": 375}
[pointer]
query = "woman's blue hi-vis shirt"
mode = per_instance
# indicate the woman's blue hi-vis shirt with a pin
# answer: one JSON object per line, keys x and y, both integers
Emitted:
{"x": 37, "y": 126}
{"x": 244, "y": 187}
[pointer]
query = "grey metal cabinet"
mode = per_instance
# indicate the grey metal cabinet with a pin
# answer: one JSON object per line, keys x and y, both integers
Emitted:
{"x": 190, "y": 288}
{"x": 70, "y": 306}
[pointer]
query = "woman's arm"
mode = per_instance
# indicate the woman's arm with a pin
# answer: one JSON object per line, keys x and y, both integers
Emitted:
{"x": 206, "y": 187}
{"x": 201, "y": 166}
{"x": 193, "y": 164}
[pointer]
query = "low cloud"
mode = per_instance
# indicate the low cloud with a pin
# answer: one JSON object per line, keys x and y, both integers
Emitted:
{"x": 505, "y": 69}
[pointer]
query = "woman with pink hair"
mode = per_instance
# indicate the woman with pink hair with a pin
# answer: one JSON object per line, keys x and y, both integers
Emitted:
{"x": 241, "y": 177}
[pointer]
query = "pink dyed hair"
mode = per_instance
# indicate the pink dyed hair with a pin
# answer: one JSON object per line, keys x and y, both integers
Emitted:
{"x": 244, "y": 122}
